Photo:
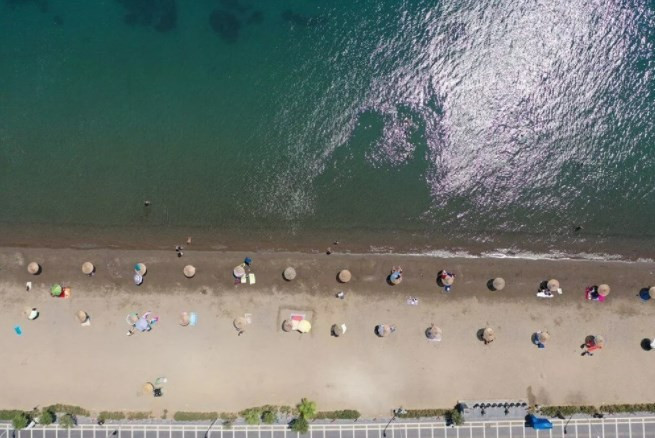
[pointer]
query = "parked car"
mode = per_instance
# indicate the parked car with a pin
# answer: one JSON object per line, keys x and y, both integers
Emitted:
{"x": 537, "y": 423}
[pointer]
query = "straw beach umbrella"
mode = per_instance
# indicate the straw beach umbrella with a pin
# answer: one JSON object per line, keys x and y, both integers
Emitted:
{"x": 603, "y": 290}
{"x": 553, "y": 285}
{"x": 239, "y": 271}
{"x": 433, "y": 333}
{"x": 488, "y": 335}
{"x": 148, "y": 388}
{"x": 240, "y": 324}
{"x": 185, "y": 319}
{"x": 88, "y": 268}
{"x": 82, "y": 316}
{"x": 344, "y": 276}
{"x": 289, "y": 273}
{"x": 498, "y": 283}
{"x": 189, "y": 271}
{"x": 543, "y": 336}
{"x": 140, "y": 269}
{"x": 34, "y": 268}
{"x": 383, "y": 330}
{"x": 338, "y": 329}
{"x": 448, "y": 280}
{"x": 598, "y": 341}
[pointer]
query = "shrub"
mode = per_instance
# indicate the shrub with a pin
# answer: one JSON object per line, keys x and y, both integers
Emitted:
{"x": 8, "y": 415}
{"x": 138, "y": 415}
{"x": 420, "y": 413}
{"x": 67, "y": 421}
{"x": 228, "y": 417}
{"x": 306, "y": 409}
{"x": 21, "y": 420}
{"x": 566, "y": 411}
{"x": 300, "y": 425}
{"x": 346, "y": 414}
{"x": 195, "y": 416}
{"x": 47, "y": 417}
{"x": 252, "y": 416}
{"x": 455, "y": 417}
{"x": 164, "y": 414}
{"x": 69, "y": 409}
{"x": 269, "y": 417}
{"x": 105, "y": 415}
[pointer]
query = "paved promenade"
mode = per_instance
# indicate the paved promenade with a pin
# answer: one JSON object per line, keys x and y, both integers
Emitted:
{"x": 623, "y": 427}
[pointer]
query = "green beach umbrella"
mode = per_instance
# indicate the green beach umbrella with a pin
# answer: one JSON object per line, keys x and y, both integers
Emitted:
{"x": 56, "y": 290}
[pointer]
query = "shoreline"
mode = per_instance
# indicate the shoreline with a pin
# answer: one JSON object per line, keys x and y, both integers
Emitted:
{"x": 210, "y": 368}
{"x": 404, "y": 242}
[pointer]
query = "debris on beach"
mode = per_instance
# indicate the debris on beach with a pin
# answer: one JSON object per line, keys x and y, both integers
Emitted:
{"x": 341, "y": 295}
{"x": 412, "y": 301}
{"x": 31, "y": 313}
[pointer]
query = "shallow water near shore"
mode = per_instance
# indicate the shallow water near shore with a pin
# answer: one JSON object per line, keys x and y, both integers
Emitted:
{"x": 388, "y": 126}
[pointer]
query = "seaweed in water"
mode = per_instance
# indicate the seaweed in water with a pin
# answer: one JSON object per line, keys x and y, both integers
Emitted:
{"x": 225, "y": 24}
{"x": 234, "y": 5}
{"x": 255, "y": 17}
{"x": 160, "y": 14}
{"x": 299, "y": 20}
{"x": 41, "y": 4}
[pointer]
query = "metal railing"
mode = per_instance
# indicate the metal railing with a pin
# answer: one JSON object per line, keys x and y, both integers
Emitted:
{"x": 489, "y": 429}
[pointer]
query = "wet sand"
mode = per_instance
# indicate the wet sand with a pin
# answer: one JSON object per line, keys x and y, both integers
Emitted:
{"x": 209, "y": 367}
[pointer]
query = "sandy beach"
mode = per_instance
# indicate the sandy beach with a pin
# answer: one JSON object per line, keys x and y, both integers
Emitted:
{"x": 210, "y": 368}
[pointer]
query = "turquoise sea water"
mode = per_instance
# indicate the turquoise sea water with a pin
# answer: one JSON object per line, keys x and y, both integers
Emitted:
{"x": 504, "y": 123}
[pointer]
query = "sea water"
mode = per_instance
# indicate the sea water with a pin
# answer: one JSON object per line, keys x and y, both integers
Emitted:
{"x": 511, "y": 123}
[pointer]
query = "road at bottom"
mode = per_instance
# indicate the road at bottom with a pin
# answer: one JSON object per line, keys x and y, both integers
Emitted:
{"x": 623, "y": 427}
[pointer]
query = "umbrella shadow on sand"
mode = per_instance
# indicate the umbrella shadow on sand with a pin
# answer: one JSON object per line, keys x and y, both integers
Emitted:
{"x": 645, "y": 344}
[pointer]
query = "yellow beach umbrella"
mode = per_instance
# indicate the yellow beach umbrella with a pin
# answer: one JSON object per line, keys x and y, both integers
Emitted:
{"x": 304, "y": 326}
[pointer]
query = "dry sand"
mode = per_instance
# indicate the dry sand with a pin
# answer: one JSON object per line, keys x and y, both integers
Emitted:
{"x": 210, "y": 368}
